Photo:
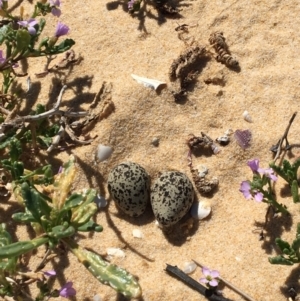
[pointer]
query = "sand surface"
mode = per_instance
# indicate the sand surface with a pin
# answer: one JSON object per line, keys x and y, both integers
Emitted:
{"x": 264, "y": 37}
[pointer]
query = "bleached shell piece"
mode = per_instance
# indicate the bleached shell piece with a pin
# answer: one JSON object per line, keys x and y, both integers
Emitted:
{"x": 97, "y": 298}
{"x": 116, "y": 252}
{"x": 200, "y": 210}
{"x": 229, "y": 132}
{"x": 103, "y": 152}
{"x": 215, "y": 149}
{"x": 137, "y": 233}
{"x": 148, "y": 82}
{"x": 189, "y": 267}
{"x": 202, "y": 171}
{"x": 247, "y": 116}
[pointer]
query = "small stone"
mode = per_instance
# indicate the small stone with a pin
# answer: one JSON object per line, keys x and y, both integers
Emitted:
{"x": 100, "y": 201}
{"x": 189, "y": 267}
{"x": 116, "y": 252}
{"x": 103, "y": 152}
{"x": 155, "y": 141}
{"x": 137, "y": 233}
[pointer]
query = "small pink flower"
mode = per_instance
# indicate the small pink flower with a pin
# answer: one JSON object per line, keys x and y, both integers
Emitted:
{"x": 268, "y": 172}
{"x": 211, "y": 277}
{"x": 245, "y": 189}
{"x": 29, "y": 25}
{"x": 55, "y": 4}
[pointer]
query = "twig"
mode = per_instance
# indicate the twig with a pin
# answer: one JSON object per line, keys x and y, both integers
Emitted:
{"x": 42, "y": 263}
{"x": 229, "y": 284}
{"x": 209, "y": 294}
{"x": 278, "y": 147}
{"x": 55, "y": 111}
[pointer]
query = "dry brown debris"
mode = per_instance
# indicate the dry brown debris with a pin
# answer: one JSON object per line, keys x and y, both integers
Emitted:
{"x": 217, "y": 40}
{"x": 182, "y": 69}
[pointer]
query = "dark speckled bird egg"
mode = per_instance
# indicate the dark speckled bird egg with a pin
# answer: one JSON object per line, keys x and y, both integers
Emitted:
{"x": 172, "y": 195}
{"x": 129, "y": 185}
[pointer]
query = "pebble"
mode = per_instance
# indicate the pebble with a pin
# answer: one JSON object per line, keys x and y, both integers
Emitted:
{"x": 100, "y": 201}
{"x": 116, "y": 252}
{"x": 137, "y": 233}
{"x": 103, "y": 152}
{"x": 155, "y": 141}
{"x": 189, "y": 267}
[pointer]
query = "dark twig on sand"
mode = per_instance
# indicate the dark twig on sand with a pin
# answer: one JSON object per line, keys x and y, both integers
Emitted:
{"x": 209, "y": 294}
{"x": 233, "y": 287}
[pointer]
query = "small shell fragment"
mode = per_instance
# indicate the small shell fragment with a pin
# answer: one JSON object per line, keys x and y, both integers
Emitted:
{"x": 116, "y": 252}
{"x": 147, "y": 82}
{"x": 247, "y": 116}
{"x": 103, "y": 152}
{"x": 100, "y": 201}
{"x": 137, "y": 233}
{"x": 228, "y": 132}
{"x": 200, "y": 210}
{"x": 189, "y": 267}
{"x": 223, "y": 140}
{"x": 243, "y": 138}
{"x": 215, "y": 149}
{"x": 97, "y": 298}
{"x": 202, "y": 171}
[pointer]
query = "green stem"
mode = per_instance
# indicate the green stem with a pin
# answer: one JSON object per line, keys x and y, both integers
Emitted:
{"x": 21, "y": 247}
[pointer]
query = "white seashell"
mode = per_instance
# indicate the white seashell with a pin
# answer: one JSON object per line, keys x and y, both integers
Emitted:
{"x": 137, "y": 233}
{"x": 200, "y": 210}
{"x": 228, "y": 132}
{"x": 116, "y": 252}
{"x": 215, "y": 149}
{"x": 100, "y": 201}
{"x": 189, "y": 267}
{"x": 147, "y": 82}
{"x": 97, "y": 298}
{"x": 247, "y": 116}
{"x": 202, "y": 171}
{"x": 103, "y": 152}
{"x": 223, "y": 140}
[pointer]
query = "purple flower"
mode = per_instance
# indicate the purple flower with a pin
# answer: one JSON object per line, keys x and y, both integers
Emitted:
{"x": 1, "y": 2}
{"x": 29, "y": 25}
{"x": 245, "y": 189}
{"x": 268, "y": 172}
{"x": 67, "y": 290}
{"x": 254, "y": 165}
{"x": 55, "y": 4}
{"x": 50, "y": 273}
{"x": 61, "y": 29}
{"x": 2, "y": 58}
{"x": 211, "y": 277}
{"x": 130, "y": 4}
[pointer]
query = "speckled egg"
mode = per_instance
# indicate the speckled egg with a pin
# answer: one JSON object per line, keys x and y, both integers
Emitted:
{"x": 172, "y": 195}
{"x": 129, "y": 186}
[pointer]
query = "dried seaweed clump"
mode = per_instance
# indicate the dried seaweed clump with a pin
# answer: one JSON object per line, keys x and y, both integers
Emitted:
{"x": 217, "y": 40}
{"x": 202, "y": 184}
{"x": 182, "y": 71}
